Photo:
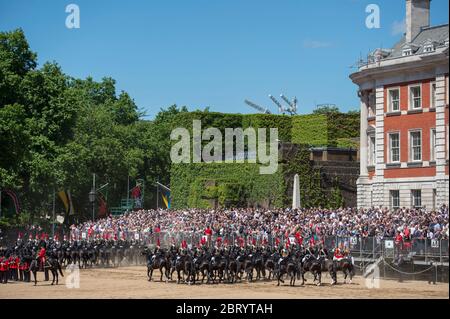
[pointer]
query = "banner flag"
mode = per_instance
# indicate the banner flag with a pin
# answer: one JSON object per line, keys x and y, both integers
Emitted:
{"x": 67, "y": 201}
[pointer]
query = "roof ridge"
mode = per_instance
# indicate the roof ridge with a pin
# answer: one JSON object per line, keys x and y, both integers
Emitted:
{"x": 434, "y": 26}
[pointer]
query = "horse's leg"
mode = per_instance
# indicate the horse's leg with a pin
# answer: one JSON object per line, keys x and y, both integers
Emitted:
{"x": 332, "y": 275}
{"x": 151, "y": 274}
{"x": 35, "y": 277}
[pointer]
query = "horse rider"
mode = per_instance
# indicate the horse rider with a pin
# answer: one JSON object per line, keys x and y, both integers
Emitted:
{"x": 310, "y": 251}
{"x": 284, "y": 255}
{"x": 322, "y": 252}
{"x": 41, "y": 258}
{"x": 338, "y": 255}
{"x": 347, "y": 255}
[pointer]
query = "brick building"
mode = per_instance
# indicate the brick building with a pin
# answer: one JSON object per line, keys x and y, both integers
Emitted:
{"x": 404, "y": 144}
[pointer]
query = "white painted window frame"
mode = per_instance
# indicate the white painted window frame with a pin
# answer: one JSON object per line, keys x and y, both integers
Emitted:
{"x": 419, "y": 191}
{"x": 411, "y": 98}
{"x": 390, "y": 160}
{"x": 429, "y": 48}
{"x": 407, "y": 52}
{"x": 390, "y": 109}
{"x": 371, "y": 159}
{"x": 392, "y": 198}
{"x": 410, "y": 146}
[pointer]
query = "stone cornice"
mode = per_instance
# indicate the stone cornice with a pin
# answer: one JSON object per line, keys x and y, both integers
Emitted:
{"x": 400, "y": 65}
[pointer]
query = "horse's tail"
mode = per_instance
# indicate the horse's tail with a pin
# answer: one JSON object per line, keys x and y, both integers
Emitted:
{"x": 352, "y": 269}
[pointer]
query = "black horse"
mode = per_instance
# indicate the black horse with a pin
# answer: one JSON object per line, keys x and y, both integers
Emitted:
{"x": 287, "y": 266}
{"x": 159, "y": 261}
{"x": 178, "y": 266}
{"x": 346, "y": 266}
{"x": 270, "y": 264}
{"x": 51, "y": 263}
{"x": 189, "y": 269}
{"x": 310, "y": 263}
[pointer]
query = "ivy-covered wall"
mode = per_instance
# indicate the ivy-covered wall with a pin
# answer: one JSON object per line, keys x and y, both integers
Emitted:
{"x": 240, "y": 185}
{"x": 311, "y": 129}
{"x": 234, "y": 185}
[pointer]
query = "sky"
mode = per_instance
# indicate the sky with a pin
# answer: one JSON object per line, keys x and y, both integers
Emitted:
{"x": 214, "y": 53}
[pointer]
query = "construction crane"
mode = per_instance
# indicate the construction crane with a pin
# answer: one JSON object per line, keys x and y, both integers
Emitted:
{"x": 292, "y": 104}
{"x": 280, "y": 107}
{"x": 257, "y": 107}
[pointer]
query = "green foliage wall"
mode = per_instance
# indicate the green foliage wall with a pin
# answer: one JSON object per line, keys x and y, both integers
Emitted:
{"x": 241, "y": 184}
{"x": 236, "y": 185}
{"x": 282, "y": 122}
{"x": 310, "y": 129}
{"x": 343, "y": 129}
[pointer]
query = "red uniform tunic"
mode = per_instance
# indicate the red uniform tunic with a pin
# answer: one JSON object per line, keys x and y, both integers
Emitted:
{"x": 12, "y": 263}
{"x": 41, "y": 255}
{"x": 4, "y": 265}
{"x": 338, "y": 255}
{"x": 23, "y": 266}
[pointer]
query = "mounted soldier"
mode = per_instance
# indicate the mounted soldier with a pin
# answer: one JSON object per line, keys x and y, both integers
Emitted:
{"x": 338, "y": 255}
{"x": 41, "y": 258}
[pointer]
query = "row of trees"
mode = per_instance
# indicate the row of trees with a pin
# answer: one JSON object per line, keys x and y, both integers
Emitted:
{"x": 56, "y": 131}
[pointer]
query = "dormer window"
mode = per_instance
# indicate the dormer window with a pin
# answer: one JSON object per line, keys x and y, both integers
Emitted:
{"x": 409, "y": 49}
{"x": 429, "y": 48}
{"x": 407, "y": 52}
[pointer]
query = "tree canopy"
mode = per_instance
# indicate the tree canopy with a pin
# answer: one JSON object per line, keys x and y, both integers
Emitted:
{"x": 56, "y": 131}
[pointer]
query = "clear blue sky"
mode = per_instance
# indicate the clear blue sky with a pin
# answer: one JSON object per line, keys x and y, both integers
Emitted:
{"x": 213, "y": 53}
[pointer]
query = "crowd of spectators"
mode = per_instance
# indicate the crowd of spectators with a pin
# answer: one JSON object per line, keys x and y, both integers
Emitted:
{"x": 402, "y": 224}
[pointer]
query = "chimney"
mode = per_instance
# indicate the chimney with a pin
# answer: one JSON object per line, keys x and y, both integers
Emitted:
{"x": 417, "y": 17}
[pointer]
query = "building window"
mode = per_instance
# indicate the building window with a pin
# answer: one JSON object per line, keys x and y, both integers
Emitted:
{"x": 395, "y": 199}
{"x": 433, "y": 144}
{"x": 394, "y": 100}
{"x": 433, "y": 95}
{"x": 407, "y": 52}
{"x": 415, "y": 97}
{"x": 416, "y": 198}
{"x": 416, "y": 146}
{"x": 394, "y": 147}
{"x": 372, "y": 105}
{"x": 372, "y": 150}
{"x": 429, "y": 48}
